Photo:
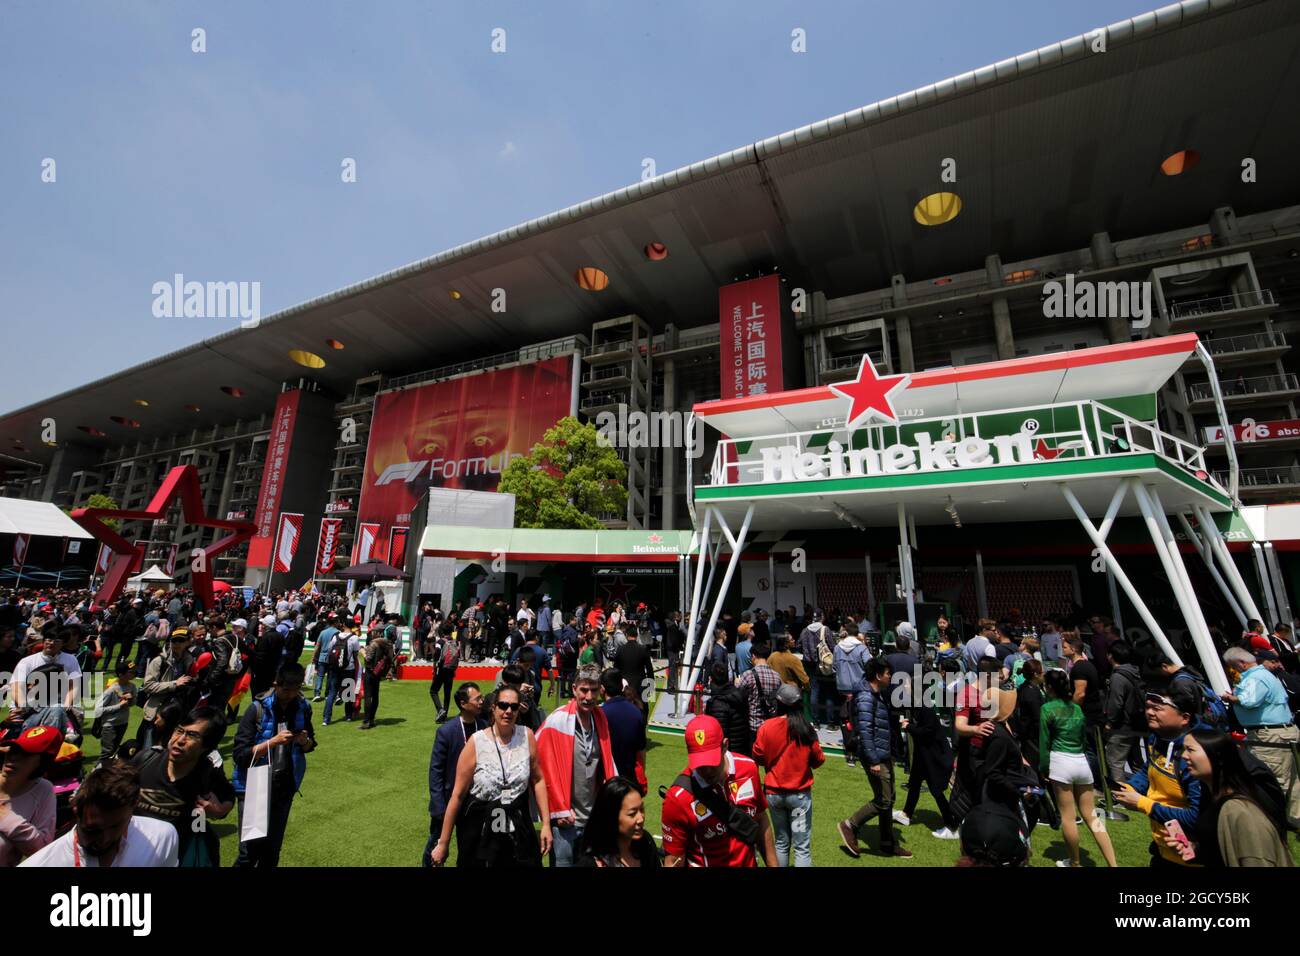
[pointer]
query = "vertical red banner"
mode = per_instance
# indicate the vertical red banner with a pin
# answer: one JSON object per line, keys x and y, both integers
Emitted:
{"x": 101, "y": 562}
{"x": 327, "y": 545}
{"x": 141, "y": 549}
{"x": 397, "y": 539}
{"x": 170, "y": 566}
{"x": 367, "y": 534}
{"x": 286, "y": 542}
{"x": 21, "y": 543}
{"x": 750, "y": 313}
{"x": 273, "y": 475}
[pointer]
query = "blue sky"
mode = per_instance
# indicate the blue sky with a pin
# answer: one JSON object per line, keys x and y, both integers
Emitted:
{"x": 225, "y": 165}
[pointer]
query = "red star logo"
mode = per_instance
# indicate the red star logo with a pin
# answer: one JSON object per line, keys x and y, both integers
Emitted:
{"x": 869, "y": 394}
{"x": 656, "y": 538}
{"x": 181, "y": 482}
{"x": 617, "y": 591}
{"x": 1043, "y": 453}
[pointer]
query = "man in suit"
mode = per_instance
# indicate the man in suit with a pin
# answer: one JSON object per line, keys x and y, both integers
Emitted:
{"x": 447, "y": 745}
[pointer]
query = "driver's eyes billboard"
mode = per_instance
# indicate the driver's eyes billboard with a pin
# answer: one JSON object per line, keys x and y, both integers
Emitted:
{"x": 456, "y": 434}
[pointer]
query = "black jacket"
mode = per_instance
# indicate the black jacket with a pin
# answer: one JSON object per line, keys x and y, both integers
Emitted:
{"x": 1000, "y": 771}
{"x": 728, "y": 706}
{"x": 447, "y": 746}
{"x": 633, "y": 662}
{"x": 1029, "y": 705}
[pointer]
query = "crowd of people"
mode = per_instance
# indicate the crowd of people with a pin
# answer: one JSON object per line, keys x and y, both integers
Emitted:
{"x": 1008, "y": 726}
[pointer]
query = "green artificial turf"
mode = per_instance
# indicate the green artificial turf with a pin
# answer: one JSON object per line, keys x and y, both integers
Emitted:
{"x": 365, "y": 796}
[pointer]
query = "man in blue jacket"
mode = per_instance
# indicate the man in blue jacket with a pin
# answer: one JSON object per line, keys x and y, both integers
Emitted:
{"x": 851, "y": 656}
{"x": 877, "y": 746}
{"x": 447, "y": 745}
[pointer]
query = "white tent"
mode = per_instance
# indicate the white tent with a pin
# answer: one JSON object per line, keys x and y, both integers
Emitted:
{"x": 39, "y": 518}
{"x": 155, "y": 575}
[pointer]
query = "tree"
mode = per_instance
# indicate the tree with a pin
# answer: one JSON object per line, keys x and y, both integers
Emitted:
{"x": 104, "y": 501}
{"x": 567, "y": 481}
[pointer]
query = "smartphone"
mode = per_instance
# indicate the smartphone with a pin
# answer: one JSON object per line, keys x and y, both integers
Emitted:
{"x": 1175, "y": 830}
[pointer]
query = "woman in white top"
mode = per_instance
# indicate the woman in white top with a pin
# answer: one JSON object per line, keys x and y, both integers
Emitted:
{"x": 489, "y": 804}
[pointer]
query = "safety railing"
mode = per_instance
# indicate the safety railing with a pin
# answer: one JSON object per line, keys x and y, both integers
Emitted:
{"x": 1237, "y": 344}
{"x": 1239, "y": 387}
{"x": 1221, "y": 303}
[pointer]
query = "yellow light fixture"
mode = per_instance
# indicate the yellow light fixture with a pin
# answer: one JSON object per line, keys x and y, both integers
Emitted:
{"x": 306, "y": 359}
{"x": 591, "y": 279}
{"x": 937, "y": 208}
{"x": 454, "y": 294}
{"x": 1180, "y": 162}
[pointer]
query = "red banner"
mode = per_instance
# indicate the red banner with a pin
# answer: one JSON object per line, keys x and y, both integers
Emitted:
{"x": 1250, "y": 430}
{"x": 367, "y": 535}
{"x": 170, "y": 566}
{"x": 141, "y": 549}
{"x": 750, "y": 313}
{"x": 327, "y": 546}
{"x": 101, "y": 562}
{"x": 397, "y": 539}
{"x": 455, "y": 434}
{"x": 21, "y": 544}
{"x": 286, "y": 542}
{"x": 273, "y": 475}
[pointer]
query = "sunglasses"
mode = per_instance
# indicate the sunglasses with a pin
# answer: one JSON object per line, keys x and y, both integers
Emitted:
{"x": 507, "y": 707}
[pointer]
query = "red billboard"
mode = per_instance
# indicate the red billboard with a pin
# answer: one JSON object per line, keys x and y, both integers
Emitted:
{"x": 455, "y": 434}
{"x": 273, "y": 475}
{"x": 750, "y": 313}
{"x": 328, "y": 544}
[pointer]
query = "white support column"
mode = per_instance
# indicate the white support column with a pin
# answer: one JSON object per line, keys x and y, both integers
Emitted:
{"x": 1230, "y": 571}
{"x": 1207, "y": 555}
{"x": 737, "y": 545}
{"x": 981, "y": 592}
{"x": 1261, "y": 571}
{"x": 1162, "y": 536}
{"x": 771, "y": 580}
{"x": 1279, "y": 585}
{"x": 1115, "y": 611}
{"x": 1120, "y": 577}
{"x": 905, "y": 564}
{"x": 692, "y": 624}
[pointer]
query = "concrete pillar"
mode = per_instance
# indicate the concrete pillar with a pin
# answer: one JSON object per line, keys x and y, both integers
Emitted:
{"x": 993, "y": 269}
{"x": 1118, "y": 330}
{"x": 669, "y": 455}
{"x": 1002, "y": 327}
{"x": 898, "y": 287}
{"x": 1103, "y": 251}
{"x": 1223, "y": 224}
{"x": 67, "y": 459}
{"x": 906, "y": 361}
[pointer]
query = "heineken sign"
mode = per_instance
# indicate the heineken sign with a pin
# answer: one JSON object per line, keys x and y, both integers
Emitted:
{"x": 787, "y": 463}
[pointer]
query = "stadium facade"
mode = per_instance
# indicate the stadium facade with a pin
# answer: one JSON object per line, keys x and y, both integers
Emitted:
{"x": 1134, "y": 182}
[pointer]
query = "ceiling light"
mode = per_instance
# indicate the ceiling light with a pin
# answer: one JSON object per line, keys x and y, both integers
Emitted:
{"x": 142, "y": 403}
{"x": 128, "y": 422}
{"x": 192, "y": 408}
{"x": 306, "y": 359}
{"x": 656, "y": 251}
{"x": 232, "y": 391}
{"x": 334, "y": 343}
{"x": 937, "y": 208}
{"x": 92, "y": 431}
{"x": 591, "y": 279}
{"x": 455, "y": 294}
{"x": 1180, "y": 162}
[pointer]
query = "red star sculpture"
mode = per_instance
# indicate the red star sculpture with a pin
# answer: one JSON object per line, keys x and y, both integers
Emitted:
{"x": 1043, "y": 452}
{"x": 617, "y": 591}
{"x": 181, "y": 482}
{"x": 869, "y": 394}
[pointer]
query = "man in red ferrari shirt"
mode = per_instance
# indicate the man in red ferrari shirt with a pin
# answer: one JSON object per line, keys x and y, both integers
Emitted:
{"x": 715, "y": 813}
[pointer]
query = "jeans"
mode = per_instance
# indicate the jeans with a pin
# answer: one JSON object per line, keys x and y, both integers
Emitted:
{"x": 791, "y": 812}
{"x": 335, "y": 688}
{"x": 265, "y": 852}
{"x": 825, "y": 702}
{"x": 1119, "y": 746}
{"x": 881, "y": 805}
{"x": 320, "y": 679}
{"x": 565, "y": 845}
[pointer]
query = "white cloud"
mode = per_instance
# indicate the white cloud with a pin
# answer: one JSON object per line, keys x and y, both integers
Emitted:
{"x": 508, "y": 150}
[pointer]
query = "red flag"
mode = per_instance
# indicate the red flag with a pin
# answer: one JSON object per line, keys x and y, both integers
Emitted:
{"x": 170, "y": 566}
{"x": 287, "y": 538}
{"x": 397, "y": 546}
{"x": 21, "y": 543}
{"x": 101, "y": 563}
{"x": 327, "y": 546}
{"x": 141, "y": 549}
{"x": 366, "y": 535}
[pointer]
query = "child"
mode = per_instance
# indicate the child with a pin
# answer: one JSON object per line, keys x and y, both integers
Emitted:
{"x": 113, "y": 710}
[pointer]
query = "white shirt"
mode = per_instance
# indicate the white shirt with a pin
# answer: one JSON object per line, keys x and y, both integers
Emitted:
{"x": 525, "y": 614}
{"x": 32, "y": 661}
{"x": 148, "y": 843}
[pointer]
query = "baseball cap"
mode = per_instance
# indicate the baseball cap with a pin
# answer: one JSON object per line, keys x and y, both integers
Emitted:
{"x": 788, "y": 695}
{"x": 39, "y": 740}
{"x": 1261, "y": 643}
{"x": 268, "y": 619}
{"x": 703, "y": 742}
{"x": 906, "y": 630}
{"x": 239, "y": 622}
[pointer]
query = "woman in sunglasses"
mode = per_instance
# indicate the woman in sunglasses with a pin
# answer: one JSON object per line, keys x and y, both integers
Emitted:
{"x": 489, "y": 804}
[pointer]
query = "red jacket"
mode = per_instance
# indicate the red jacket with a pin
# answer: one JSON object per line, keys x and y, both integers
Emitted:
{"x": 789, "y": 765}
{"x": 555, "y": 754}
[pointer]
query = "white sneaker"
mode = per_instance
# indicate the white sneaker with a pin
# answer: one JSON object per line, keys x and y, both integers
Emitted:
{"x": 902, "y": 819}
{"x": 1065, "y": 863}
{"x": 945, "y": 834}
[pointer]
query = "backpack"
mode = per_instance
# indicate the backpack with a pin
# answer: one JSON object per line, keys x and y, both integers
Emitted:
{"x": 235, "y": 663}
{"x": 339, "y": 656}
{"x": 450, "y": 655}
{"x": 825, "y": 656}
{"x": 1213, "y": 710}
{"x": 381, "y": 666}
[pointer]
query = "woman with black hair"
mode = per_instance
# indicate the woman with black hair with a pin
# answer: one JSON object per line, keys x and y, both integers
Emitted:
{"x": 787, "y": 749}
{"x": 28, "y": 808}
{"x": 1062, "y": 759}
{"x": 615, "y": 834}
{"x": 1234, "y": 827}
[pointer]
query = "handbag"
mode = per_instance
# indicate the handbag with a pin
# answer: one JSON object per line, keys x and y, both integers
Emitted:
{"x": 255, "y": 821}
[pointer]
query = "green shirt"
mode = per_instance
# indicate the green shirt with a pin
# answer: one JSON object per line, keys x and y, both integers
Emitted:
{"x": 1061, "y": 728}
{"x": 588, "y": 656}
